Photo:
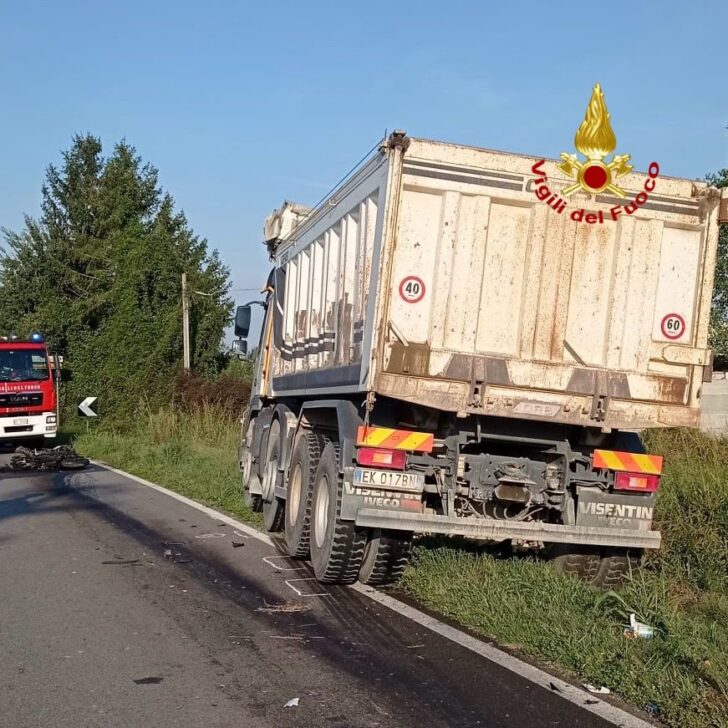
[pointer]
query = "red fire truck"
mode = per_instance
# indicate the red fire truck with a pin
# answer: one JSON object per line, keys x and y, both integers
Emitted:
{"x": 29, "y": 378}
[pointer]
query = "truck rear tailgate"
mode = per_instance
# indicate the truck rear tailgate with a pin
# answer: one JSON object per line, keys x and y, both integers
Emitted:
{"x": 497, "y": 303}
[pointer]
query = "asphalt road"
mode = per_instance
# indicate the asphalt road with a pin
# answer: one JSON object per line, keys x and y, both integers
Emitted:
{"x": 121, "y": 606}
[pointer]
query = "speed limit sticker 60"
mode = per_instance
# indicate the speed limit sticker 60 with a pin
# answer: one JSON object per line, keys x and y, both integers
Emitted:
{"x": 412, "y": 289}
{"x": 673, "y": 326}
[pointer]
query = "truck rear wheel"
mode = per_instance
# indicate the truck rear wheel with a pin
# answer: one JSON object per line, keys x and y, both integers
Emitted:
{"x": 305, "y": 460}
{"x": 251, "y": 500}
{"x": 385, "y": 557}
{"x": 580, "y": 561}
{"x": 337, "y": 546}
{"x": 615, "y": 567}
{"x": 273, "y": 507}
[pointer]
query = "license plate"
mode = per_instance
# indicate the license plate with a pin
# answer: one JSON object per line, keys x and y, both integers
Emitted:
{"x": 371, "y": 478}
{"x": 20, "y": 421}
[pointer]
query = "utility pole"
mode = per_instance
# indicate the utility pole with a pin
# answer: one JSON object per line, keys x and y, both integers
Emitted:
{"x": 185, "y": 323}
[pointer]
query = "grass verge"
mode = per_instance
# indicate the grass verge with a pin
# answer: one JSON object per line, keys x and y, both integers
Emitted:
{"x": 192, "y": 455}
{"x": 681, "y": 674}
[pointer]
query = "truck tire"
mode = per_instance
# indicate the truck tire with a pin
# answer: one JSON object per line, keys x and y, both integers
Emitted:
{"x": 273, "y": 507}
{"x": 251, "y": 500}
{"x": 615, "y": 567}
{"x": 579, "y": 561}
{"x": 305, "y": 460}
{"x": 77, "y": 463}
{"x": 337, "y": 546}
{"x": 385, "y": 557}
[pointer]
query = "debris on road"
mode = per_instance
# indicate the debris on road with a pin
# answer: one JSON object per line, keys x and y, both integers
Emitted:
{"x": 237, "y": 544}
{"x": 121, "y": 562}
{"x": 174, "y": 556}
{"x": 285, "y": 608}
{"x": 598, "y": 691}
{"x": 638, "y": 630}
{"x": 239, "y": 637}
{"x": 148, "y": 680}
{"x": 292, "y": 703}
{"x": 653, "y": 710}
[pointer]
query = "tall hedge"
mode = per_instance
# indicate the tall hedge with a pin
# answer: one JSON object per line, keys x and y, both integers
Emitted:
{"x": 99, "y": 273}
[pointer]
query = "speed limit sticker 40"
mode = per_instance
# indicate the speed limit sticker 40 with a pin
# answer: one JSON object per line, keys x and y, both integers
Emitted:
{"x": 412, "y": 289}
{"x": 672, "y": 326}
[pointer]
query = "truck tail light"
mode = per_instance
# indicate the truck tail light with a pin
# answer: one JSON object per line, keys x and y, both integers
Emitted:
{"x": 638, "y": 482}
{"x": 376, "y": 457}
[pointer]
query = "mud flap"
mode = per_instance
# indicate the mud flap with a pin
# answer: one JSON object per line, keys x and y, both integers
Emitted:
{"x": 614, "y": 510}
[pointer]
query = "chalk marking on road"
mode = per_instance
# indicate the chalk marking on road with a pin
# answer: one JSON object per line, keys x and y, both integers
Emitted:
{"x": 307, "y": 594}
{"x": 535, "y": 675}
{"x": 269, "y": 560}
{"x": 242, "y": 535}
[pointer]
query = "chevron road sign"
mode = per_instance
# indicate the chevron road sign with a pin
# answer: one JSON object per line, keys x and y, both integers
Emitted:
{"x": 88, "y": 408}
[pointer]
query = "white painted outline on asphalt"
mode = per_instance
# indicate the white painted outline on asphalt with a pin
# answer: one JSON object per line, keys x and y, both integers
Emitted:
{"x": 307, "y": 594}
{"x": 269, "y": 560}
{"x": 535, "y": 675}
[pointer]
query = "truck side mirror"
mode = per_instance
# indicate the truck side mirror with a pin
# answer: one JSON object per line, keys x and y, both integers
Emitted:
{"x": 242, "y": 321}
{"x": 240, "y": 348}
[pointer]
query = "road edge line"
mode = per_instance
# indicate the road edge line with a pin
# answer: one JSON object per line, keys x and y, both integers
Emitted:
{"x": 575, "y": 695}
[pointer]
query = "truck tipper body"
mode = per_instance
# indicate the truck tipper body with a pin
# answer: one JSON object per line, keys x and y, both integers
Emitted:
{"x": 451, "y": 346}
{"x": 28, "y": 391}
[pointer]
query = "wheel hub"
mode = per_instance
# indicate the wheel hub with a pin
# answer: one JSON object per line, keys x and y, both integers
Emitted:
{"x": 294, "y": 495}
{"x": 269, "y": 480}
{"x": 321, "y": 517}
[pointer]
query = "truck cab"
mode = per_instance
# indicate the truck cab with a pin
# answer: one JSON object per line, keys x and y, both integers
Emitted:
{"x": 28, "y": 390}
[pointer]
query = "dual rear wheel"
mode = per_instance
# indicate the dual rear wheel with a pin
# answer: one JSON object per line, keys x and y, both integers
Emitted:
{"x": 604, "y": 568}
{"x": 339, "y": 550}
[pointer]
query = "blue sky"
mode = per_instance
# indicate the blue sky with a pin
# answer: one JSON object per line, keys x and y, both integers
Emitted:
{"x": 243, "y": 105}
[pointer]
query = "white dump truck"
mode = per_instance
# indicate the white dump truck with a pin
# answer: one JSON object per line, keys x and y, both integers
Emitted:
{"x": 452, "y": 344}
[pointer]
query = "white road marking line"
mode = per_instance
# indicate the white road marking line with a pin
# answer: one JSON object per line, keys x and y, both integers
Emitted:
{"x": 242, "y": 535}
{"x": 251, "y": 532}
{"x": 269, "y": 560}
{"x": 307, "y": 594}
{"x": 539, "y": 677}
{"x": 534, "y": 674}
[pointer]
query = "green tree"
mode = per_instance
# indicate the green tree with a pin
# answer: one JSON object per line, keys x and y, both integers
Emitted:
{"x": 99, "y": 273}
{"x": 719, "y": 312}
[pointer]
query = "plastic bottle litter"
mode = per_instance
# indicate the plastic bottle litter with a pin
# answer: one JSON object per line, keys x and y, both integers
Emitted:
{"x": 638, "y": 630}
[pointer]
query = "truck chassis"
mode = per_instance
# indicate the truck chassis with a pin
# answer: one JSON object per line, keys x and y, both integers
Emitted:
{"x": 530, "y": 485}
